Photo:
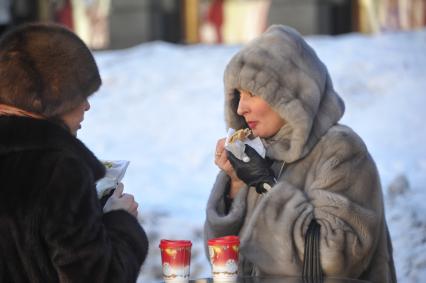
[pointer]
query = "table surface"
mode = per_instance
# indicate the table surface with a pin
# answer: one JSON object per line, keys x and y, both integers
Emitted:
{"x": 278, "y": 280}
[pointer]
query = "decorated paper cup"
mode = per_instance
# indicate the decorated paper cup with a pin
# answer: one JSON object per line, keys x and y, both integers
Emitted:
{"x": 176, "y": 259}
{"x": 224, "y": 257}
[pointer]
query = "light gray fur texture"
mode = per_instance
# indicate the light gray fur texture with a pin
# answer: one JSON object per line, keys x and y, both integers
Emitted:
{"x": 329, "y": 174}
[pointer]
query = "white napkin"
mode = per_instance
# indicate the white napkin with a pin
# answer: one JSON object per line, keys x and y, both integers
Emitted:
{"x": 237, "y": 148}
{"x": 115, "y": 170}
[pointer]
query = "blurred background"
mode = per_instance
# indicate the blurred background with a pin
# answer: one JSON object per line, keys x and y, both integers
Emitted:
{"x": 162, "y": 62}
{"x": 116, "y": 24}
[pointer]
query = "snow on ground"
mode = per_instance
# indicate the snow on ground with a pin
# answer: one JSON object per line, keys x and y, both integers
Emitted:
{"x": 161, "y": 107}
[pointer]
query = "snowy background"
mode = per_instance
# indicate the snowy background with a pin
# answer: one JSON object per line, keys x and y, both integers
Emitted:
{"x": 161, "y": 107}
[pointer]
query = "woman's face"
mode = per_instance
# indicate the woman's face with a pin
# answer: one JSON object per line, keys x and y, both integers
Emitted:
{"x": 74, "y": 117}
{"x": 260, "y": 117}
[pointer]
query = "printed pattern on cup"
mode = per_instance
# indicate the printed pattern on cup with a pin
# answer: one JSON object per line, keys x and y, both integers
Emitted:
{"x": 224, "y": 263}
{"x": 176, "y": 259}
{"x": 223, "y": 254}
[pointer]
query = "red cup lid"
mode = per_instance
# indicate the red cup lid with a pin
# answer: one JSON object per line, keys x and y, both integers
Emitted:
{"x": 226, "y": 240}
{"x": 174, "y": 243}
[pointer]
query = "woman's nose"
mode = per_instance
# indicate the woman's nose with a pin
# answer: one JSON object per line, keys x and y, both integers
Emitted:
{"x": 86, "y": 106}
{"x": 242, "y": 106}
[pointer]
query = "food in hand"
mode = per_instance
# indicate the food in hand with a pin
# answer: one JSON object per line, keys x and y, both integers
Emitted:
{"x": 108, "y": 164}
{"x": 240, "y": 135}
{"x": 114, "y": 173}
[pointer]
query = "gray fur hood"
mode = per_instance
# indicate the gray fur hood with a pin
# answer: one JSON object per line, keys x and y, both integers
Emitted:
{"x": 281, "y": 68}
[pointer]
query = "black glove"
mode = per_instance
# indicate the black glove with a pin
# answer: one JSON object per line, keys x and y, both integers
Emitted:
{"x": 256, "y": 172}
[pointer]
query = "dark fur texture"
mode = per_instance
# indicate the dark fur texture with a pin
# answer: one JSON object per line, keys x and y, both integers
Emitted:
{"x": 46, "y": 69}
{"x": 52, "y": 228}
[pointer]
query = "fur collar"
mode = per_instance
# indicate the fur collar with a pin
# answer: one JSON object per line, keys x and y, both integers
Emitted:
{"x": 22, "y": 133}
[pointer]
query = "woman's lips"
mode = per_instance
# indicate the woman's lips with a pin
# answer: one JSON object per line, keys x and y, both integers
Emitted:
{"x": 252, "y": 124}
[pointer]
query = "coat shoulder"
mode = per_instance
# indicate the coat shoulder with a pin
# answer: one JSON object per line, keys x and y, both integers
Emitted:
{"x": 342, "y": 140}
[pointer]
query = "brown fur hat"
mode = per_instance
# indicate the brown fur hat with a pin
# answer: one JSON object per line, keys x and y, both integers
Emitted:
{"x": 46, "y": 69}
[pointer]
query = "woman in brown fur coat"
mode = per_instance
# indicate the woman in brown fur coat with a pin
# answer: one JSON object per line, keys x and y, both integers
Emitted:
{"x": 316, "y": 170}
{"x": 52, "y": 225}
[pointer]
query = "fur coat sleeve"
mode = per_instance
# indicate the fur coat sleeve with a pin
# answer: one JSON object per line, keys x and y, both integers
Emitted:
{"x": 337, "y": 184}
{"x": 52, "y": 227}
{"x": 84, "y": 244}
{"x": 219, "y": 222}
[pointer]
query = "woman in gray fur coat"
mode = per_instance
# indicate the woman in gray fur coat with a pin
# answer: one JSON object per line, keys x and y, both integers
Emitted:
{"x": 316, "y": 170}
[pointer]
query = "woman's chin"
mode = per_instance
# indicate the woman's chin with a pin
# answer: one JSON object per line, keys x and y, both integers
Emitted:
{"x": 257, "y": 133}
{"x": 74, "y": 131}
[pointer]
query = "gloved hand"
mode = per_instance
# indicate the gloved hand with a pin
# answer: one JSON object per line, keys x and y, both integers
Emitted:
{"x": 256, "y": 172}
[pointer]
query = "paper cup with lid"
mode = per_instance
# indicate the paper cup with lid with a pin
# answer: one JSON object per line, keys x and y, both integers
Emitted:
{"x": 176, "y": 260}
{"x": 223, "y": 254}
